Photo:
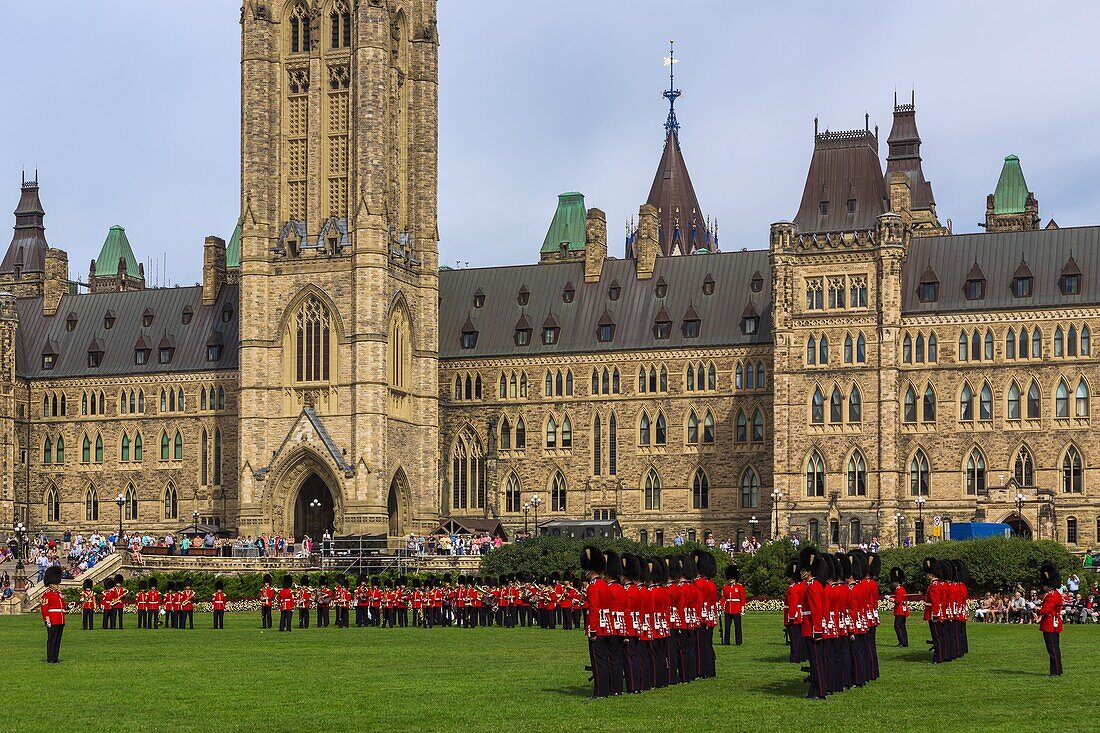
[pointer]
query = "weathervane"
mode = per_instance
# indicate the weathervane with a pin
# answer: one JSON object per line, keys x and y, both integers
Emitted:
{"x": 671, "y": 95}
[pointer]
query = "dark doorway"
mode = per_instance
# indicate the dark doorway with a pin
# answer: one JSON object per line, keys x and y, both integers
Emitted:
{"x": 309, "y": 518}
{"x": 395, "y": 506}
{"x": 1020, "y": 528}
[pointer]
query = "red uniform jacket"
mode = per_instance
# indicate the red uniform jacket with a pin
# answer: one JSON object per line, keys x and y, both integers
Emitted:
{"x": 152, "y": 600}
{"x": 286, "y": 599}
{"x": 187, "y": 599}
{"x": 901, "y": 606}
{"x": 53, "y": 608}
{"x": 733, "y": 599}
{"x": 267, "y": 596}
{"x": 119, "y": 598}
{"x": 304, "y": 598}
{"x": 87, "y": 600}
{"x": 796, "y": 594}
{"x": 814, "y": 610}
{"x": 598, "y": 618}
{"x": 1050, "y": 612}
{"x": 218, "y": 600}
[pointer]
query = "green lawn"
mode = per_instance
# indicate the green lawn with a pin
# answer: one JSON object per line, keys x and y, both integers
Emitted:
{"x": 509, "y": 680}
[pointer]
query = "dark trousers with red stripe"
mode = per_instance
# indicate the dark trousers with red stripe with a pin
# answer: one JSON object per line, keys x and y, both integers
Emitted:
{"x": 901, "y": 631}
{"x": 798, "y": 644}
{"x": 53, "y": 642}
{"x": 857, "y": 654}
{"x": 617, "y": 659}
{"x": 937, "y": 642}
{"x": 872, "y": 653}
{"x": 599, "y": 656}
{"x": 646, "y": 650}
{"x": 815, "y": 655}
{"x": 686, "y": 652}
{"x": 707, "y": 666}
{"x": 1054, "y": 649}
{"x": 633, "y": 667}
{"x": 659, "y": 650}
{"x": 834, "y": 664}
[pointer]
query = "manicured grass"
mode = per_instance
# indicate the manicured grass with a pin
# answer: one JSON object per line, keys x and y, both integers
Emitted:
{"x": 505, "y": 680}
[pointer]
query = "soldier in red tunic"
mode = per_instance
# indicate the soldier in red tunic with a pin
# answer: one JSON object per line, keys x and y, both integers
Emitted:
{"x": 87, "y": 606}
{"x": 708, "y": 612}
{"x": 267, "y": 600}
{"x": 792, "y": 612}
{"x": 901, "y": 606}
{"x": 218, "y": 602}
{"x": 119, "y": 603}
{"x": 187, "y": 606}
{"x": 597, "y": 625}
{"x": 324, "y": 602}
{"x": 305, "y": 600}
{"x": 53, "y": 613}
{"x": 286, "y": 604}
{"x": 733, "y": 604}
{"x": 1050, "y": 616}
{"x": 152, "y": 605}
{"x": 106, "y": 599}
{"x": 815, "y": 571}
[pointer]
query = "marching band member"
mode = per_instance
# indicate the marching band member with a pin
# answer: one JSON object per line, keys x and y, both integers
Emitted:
{"x": 218, "y": 602}
{"x": 53, "y": 613}
{"x": 87, "y": 605}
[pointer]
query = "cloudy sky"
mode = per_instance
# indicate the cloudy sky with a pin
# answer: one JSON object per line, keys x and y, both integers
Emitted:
{"x": 130, "y": 111}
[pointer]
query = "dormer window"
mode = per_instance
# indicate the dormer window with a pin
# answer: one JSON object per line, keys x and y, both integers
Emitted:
{"x": 550, "y": 330}
{"x": 928, "y": 291}
{"x": 750, "y": 320}
{"x": 213, "y": 352}
{"x": 469, "y": 335}
{"x": 147, "y": 318}
{"x": 95, "y": 358}
{"x": 708, "y": 284}
{"x": 1070, "y": 283}
{"x": 523, "y": 296}
{"x": 757, "y": 282}
{"x": 1022, "y": 280}
{"x": 48, "y": 360}
{"x": 227, "y": 314}
{"x": 662, "y": 326}
{"x": 523, "y": 332}
{"x": 186, "y": 315}
{"x": 109, "y": 320}
{"x": 141, "y": 356}
{"x": 851, "y": 206}
{"x": 614, "y": 291}
{"x": 479, "y": 298}
{"x": 568, "y": 294}
{"x": 823, "y": 207}
{"x": 164, "y": 354}
{"x": 661, "y": 288}
{"x": 975, "y": 283}
{"x": 691, "y": 324}
{"x": 605, "y": 329}
{"x": 70, "y": 322}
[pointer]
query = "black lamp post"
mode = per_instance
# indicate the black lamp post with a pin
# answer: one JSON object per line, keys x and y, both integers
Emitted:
{"x": 753, "y": 521}
{"x": 536, "y": 502}
{"x": 1019, "y": 514}
{"x": 526, "y": 510}
{"x": 315, "y": 510}
{"x": 20, "y": 570}
{"x": 776, "y": 496}
{"x": 119, "y": 500}
{"x": 900, "y": 518}
{"x": 920, "y": 519}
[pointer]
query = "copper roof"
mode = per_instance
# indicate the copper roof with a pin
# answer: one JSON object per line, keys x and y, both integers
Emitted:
{"x": 904, "y": 156}
{"x": 682, "y": 227}
{"x": 28, "y": 245}
{"x": 844, "y": 168}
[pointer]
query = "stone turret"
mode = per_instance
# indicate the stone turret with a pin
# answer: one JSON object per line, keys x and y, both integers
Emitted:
{"x": 1011, "y": 207}
{"x": 213, "y": 269}
{"x": 595, "y": 245}
{"x": 647, "y": 242}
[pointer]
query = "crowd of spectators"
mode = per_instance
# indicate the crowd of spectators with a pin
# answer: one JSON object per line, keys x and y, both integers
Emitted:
{"x": 1082, "y": 605}
{"x": 453, "y": 544}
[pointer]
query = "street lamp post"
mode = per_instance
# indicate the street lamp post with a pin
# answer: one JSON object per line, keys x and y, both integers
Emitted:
{"x": 920, "y": 519}
{"x": 753, "y": 521}
{"x": 1019, "y": 514}
{"x": 119, "y": 500}
{"x": 315, "y": 511}
{"x": 20, "y": 569}
{"x": 526, "y": 509}
{"x": 536, "y": 502}
{"x": 776, "y": 496}
{"x": 899, "y": 517}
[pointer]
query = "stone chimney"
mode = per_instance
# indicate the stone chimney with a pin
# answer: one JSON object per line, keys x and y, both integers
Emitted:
{"x": 646, "y": 244}
{"x": 56, "y": 282}
{"x": 213, "y": 269}
{"x": 595, "y": 245}
{"x": 901, "y": 199}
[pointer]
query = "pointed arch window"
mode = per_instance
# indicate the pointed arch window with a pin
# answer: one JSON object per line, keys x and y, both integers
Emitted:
{"x": 467, "y": 472}
{"x": 690, "y": 380}
{"x": 1034, "y": 401}
{"x": 521, "y": 434}
{"x": 750, "y": 489}
{"x": 312, "y": 327}
{"x": 1036, "y": 344}
{"x": 177, "y": 447}
{"x": 988, "y": 352}
{"x": 1072, "y": 471}
{"x": 91, "y": 504}
{"x": 929, "y": 404}
{"x": 1010, "y": 344}
{"x": 1059, "y": 342}
{"x": 919, "y": 354}
{"x": 165, "y": 446}
{"x": 558, "y": 493}
{"x": 664, "y": 379}
{"x": 1081, "y": 399}
{"x": 712, "y": 377}
{"x": 1086, "y": 348}
{"x": 909, "y": 414}
{"x": 53, "y": 505}
{"x": 708, "y": 427}
{"x": 907, "y": 349}
{"x": 124, "y": 449}
{"x": 300, "y": 29}
{"x": 217, "y": 456}
{"x": 919, "y": 475}
{"x": 817, "y": 407}
{"x": 1071, "y": 341}
{"x": 131, "y": 504}
{"x": 171, "y": 502}
{"x": 823, "y": 350}
{"x": 512, "y": 494}
{"x": 1013, "y": 401}
{"x": 857, "y": 475}
{"x": 693, "y": 428}
{"x": 59, "y": 451}
{"x": 855, "y": 405}
{"x": 98, "y": 448}
{"x": 204, "y": 458}
{"x": 612, "y": 446}
{"x": 340, "y": 20}
{"x": 815, "y": 475}
{"x": 966, "y": 403}
{"x": 47, "y": 451}
{"x": 975, "y": 473}
{"x": 551, "y": 433}
{"x": 1061, "y": 399}
{"x": 849, "y": 349}
{"x": 811, "y": 351}
{"x": 700, "y": 490}
{"x": 566, "y": 433}
{"x": 1023, "y": 471}
{"x": 597, "y": 445}
{"x": 963, "y": 346}
{"x": 741, "y": 432}
{"x": 652, "y": 490}
{"x": 660, "y": 430}
{"x": 505, "y": 434}
{"x": 137, "y": 447}
{"x": 933, "y": 348}
{"x": 836, "y": 406}
{"x": 400, "y": 349}
{"x": 985, "y": 403}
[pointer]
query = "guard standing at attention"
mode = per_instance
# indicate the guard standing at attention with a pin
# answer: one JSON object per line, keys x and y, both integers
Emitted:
{"x": 141, "y": 603}
{"x": 324, "y": 602}
{"x": 119, "y": 601}
{"x": 87, "y": 606}
{"x": 218, "y": 603}
{"x": 901, "y": 606}
{"x": 152, "y": 606}
{"x": 1050, "y": 616}
{"x": 792, "y": 615}
{"x": 597, "y": 626}
{"x": 286, "y": 604}
{"x": 187, "y": 606}
{"x": 267, "y": 599}
{"x": 105, "y": 601}
{"x": 733, "y": 604}
{"x": 305, "y": 599}
{"x": 53, "y": 613}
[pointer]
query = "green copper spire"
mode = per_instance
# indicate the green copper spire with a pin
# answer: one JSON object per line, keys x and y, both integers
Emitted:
{"x": 233, "y": 249}
{"x": 568, "y": 226}
{"x": 116, "y": 247}
{"x": 1011, "y": 194}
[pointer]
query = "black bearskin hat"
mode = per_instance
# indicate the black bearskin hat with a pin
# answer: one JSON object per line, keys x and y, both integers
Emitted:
{"x": 819, "y": 567}
{"x": 152, "y": 583}
{"x": 643, "y": 567}
{"x": 305, "y": 580}
{"x": 186, "y": 582}
{"x": 592, "y": 560}
{"x": 52, "y": 576}
{"x": 807, "y": 556}
{"x": 87, "y": 584}
{"x": 687, "y": 567}
{"x": 555, "y": 576}
{"x": 342, "y": 580}
{"x": 874, "y": 565}
{"x": 705, "y": 564}
{"x": 792, "y": 569}
{"x": 267, "y": 578}
{"x": 931, "y": 566}
{"x": 375, "y": 581}
{"x": 632, "y": 566}
{"x": 389, "y": 583}
{"x": 1048, "y": 576}
{"x": 118, "y": 579}
{"x": 323, "y": 580}
{"x": 946, "y": 570}
{"x": 845, "y": 564}
{"x": 732, "y": 573}
{"x": 897, "y": 575}
{"x": 108, "y": 583}
{"x": 859, "y": 561}
{"x": 416, "y": 582}
{"x": 142, "y": 585}
{"x": 962, "y": 572}
{"x": 446, "y": 577}
{"x": 614, "y": 564}
{"x": 219, "y": 585}
{"x": 287, "y": 581}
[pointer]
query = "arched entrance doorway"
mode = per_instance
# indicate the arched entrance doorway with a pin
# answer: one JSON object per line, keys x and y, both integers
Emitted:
{"x": 313, "y": 509}
{"x": 1020, "y": 528}
{"x": 397, "y": 505}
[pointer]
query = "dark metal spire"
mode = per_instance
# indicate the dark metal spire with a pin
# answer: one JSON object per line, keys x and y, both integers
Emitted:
{"x": 671, "y": 125}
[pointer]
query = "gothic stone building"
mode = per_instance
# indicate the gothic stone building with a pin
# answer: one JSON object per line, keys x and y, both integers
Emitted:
{"x": 867, "y": 372}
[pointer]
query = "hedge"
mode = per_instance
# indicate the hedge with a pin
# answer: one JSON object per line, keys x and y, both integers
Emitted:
{"x": 237, "y": 587}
